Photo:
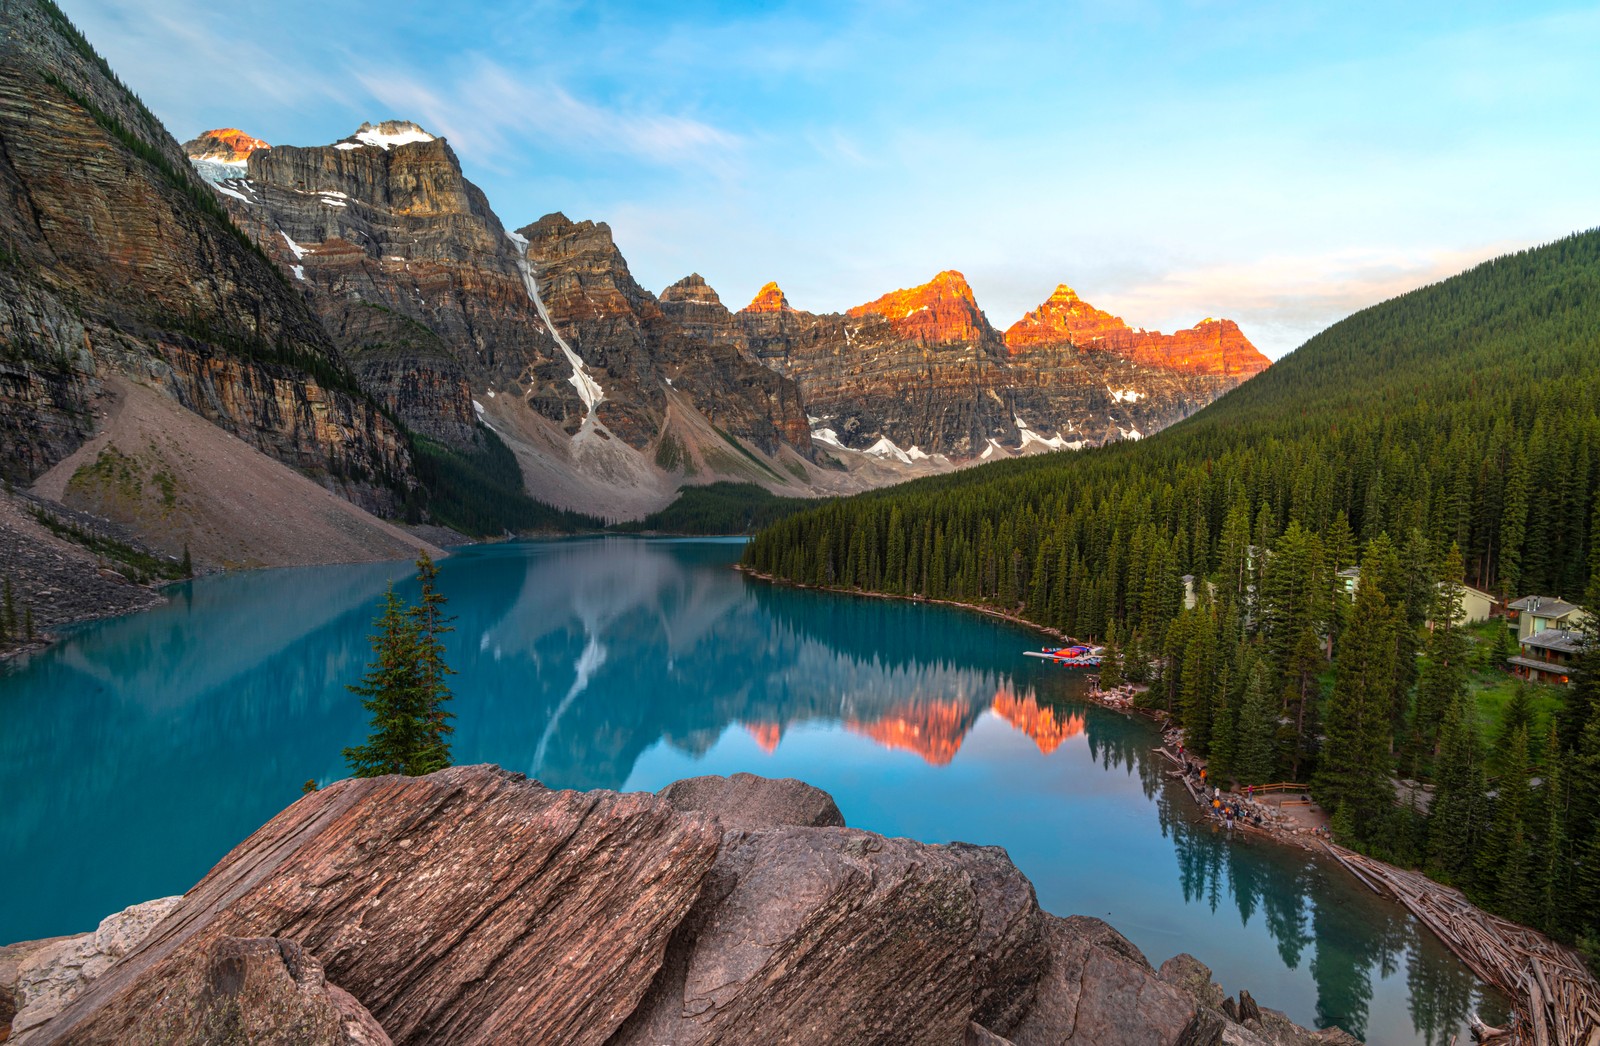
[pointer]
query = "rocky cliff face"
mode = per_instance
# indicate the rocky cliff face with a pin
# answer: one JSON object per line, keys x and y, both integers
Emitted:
{"x": 435, "y": 304}
{"x": 474, "y": 906}
{"x": 115, "y": 258}
{"x": 921, "y": 371}
{"x": 644, "y": 347}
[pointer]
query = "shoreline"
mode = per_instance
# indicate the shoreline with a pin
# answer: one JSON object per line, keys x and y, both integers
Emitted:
{"x": 1522, "y": 987}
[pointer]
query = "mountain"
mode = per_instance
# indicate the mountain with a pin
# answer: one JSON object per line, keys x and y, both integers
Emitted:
{"x": 542, "y": 335}
{"x": 1213, "y": 347}
{"x": 922, "y": 372}
{"x": 118, "y": 264}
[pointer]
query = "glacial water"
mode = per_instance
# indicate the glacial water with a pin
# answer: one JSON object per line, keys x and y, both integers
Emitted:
{"x": 135, "y": 753}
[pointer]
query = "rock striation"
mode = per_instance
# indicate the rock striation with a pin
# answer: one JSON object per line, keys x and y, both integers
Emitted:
{"x": 116, "y": 258}
{"x": 475, "y": 906}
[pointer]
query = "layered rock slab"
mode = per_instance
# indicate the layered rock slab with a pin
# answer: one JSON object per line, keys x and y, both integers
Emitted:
{"x": 470, "y": 906}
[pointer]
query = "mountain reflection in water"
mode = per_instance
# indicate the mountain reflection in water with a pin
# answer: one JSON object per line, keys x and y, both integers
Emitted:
{"x": 139, "y": 751}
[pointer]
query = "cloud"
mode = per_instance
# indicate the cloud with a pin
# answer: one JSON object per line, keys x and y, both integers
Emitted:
{"x": 168, "y": 49}
{"x": 1282, "y": 299}
{"x": 493, "y": 115}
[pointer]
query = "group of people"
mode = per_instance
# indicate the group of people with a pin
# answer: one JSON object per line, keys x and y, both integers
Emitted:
{"x": 1231, "y": 811}
{"x": 1223, "y": 805}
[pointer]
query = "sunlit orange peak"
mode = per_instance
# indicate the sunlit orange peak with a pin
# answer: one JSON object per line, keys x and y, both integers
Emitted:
{"x": 234, "y": 140}
{"x": 769, "y": 299}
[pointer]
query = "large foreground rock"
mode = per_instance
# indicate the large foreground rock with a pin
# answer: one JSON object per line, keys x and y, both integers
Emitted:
{"x": 476, "y": 906}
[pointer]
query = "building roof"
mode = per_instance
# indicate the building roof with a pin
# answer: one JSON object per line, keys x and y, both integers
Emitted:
{"x": 1350, "y": 572}
{"x": 1187, "y": 579}
{"x": 1540, "y": 666}
{"x": 1544, "y": 606}
{"x": 1561, "y": 639}
{"x": 1478, "y": 591}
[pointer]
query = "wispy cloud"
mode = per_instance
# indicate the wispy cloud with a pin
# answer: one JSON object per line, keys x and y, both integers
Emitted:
{"x": 492, "y": 115}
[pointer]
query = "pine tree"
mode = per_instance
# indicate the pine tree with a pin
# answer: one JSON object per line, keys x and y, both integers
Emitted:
{"x": 432, "y": 624}
{"x": 1255, "y": 757}
{"x": 1355, "y": 773}
{"x": 1110, "y": 666}
{"x": 1301, "y": 691}
{"x": 392, "y": 691}
{"x": 1506, "y": 859}
{"x": 1444, "y": 677}
{"x": 404, "y": 687}
{"x": 187, "y": 566}
{"x": 1136, "y": 663}
{"x": 9, "y": 611}
{"x": 1554, "y": 867}
{"x": 1456, "y": 820}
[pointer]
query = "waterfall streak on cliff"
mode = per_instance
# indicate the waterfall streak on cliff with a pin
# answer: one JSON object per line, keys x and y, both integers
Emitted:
{"x": 589, "y": 390}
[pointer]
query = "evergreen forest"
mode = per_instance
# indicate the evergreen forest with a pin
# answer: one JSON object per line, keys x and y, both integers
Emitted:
{"x": 1449, "y": 436}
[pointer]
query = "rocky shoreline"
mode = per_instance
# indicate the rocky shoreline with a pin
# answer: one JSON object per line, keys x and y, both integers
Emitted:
{"x": 59, "y": 582}
{"x": 477, "y": 906}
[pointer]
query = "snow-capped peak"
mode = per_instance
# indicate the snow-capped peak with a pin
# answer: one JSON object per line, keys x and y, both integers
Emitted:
{"x": 385, "y": 134}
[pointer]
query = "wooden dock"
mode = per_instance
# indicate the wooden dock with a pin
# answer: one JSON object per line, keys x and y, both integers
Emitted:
{"x": 1557, "y": 999}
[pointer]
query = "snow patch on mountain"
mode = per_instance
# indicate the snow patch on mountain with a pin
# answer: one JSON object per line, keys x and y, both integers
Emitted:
{"x": 386, "y": 134}
{"x": 589, "y": 390}
{"x": 885, "y": 448}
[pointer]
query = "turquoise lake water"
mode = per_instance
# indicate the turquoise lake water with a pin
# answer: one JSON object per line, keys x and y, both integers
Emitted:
{"x": 138, "y": 751}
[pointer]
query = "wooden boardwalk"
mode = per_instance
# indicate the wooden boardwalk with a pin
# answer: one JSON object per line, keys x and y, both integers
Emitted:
{"x": 1557, "y": 999}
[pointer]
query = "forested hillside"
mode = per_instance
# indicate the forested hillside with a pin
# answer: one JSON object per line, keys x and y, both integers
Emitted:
{"x": 1450, "y": 434}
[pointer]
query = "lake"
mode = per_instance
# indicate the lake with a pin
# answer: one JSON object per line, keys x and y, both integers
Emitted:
{"x": 138, "y": 751}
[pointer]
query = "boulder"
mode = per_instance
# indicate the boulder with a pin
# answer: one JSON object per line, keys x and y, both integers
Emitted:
{"x": 751, "y": 803}
{"x": 812, "y": 935}
{"x": 50, "y": 974}
{"x": 1098, "y": 988}
{"x": 262, "y": 991}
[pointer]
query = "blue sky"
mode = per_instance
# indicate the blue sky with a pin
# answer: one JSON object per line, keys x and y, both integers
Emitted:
{"x": 1282, "y": 164}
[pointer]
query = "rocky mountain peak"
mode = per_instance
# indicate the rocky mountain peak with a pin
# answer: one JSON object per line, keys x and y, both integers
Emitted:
{"x": 769, "y": 298}
{"x": 223, "y": 145}
{"x": 1215, "y": 347}
{"x": 691, "y": 290}
{"x": 385, "y": 135}
{"x": 942, "y": 310}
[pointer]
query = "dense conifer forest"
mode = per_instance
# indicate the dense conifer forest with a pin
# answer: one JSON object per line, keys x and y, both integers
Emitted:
{"x": 1449, "y": 435}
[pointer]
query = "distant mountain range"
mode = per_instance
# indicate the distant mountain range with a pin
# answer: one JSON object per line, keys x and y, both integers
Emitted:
{"x": 358, "y": 312}
{"x": 917, "y": 378}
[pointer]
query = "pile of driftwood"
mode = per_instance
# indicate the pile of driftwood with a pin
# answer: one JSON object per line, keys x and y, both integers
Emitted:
{"x": 1557, "y": 1000}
